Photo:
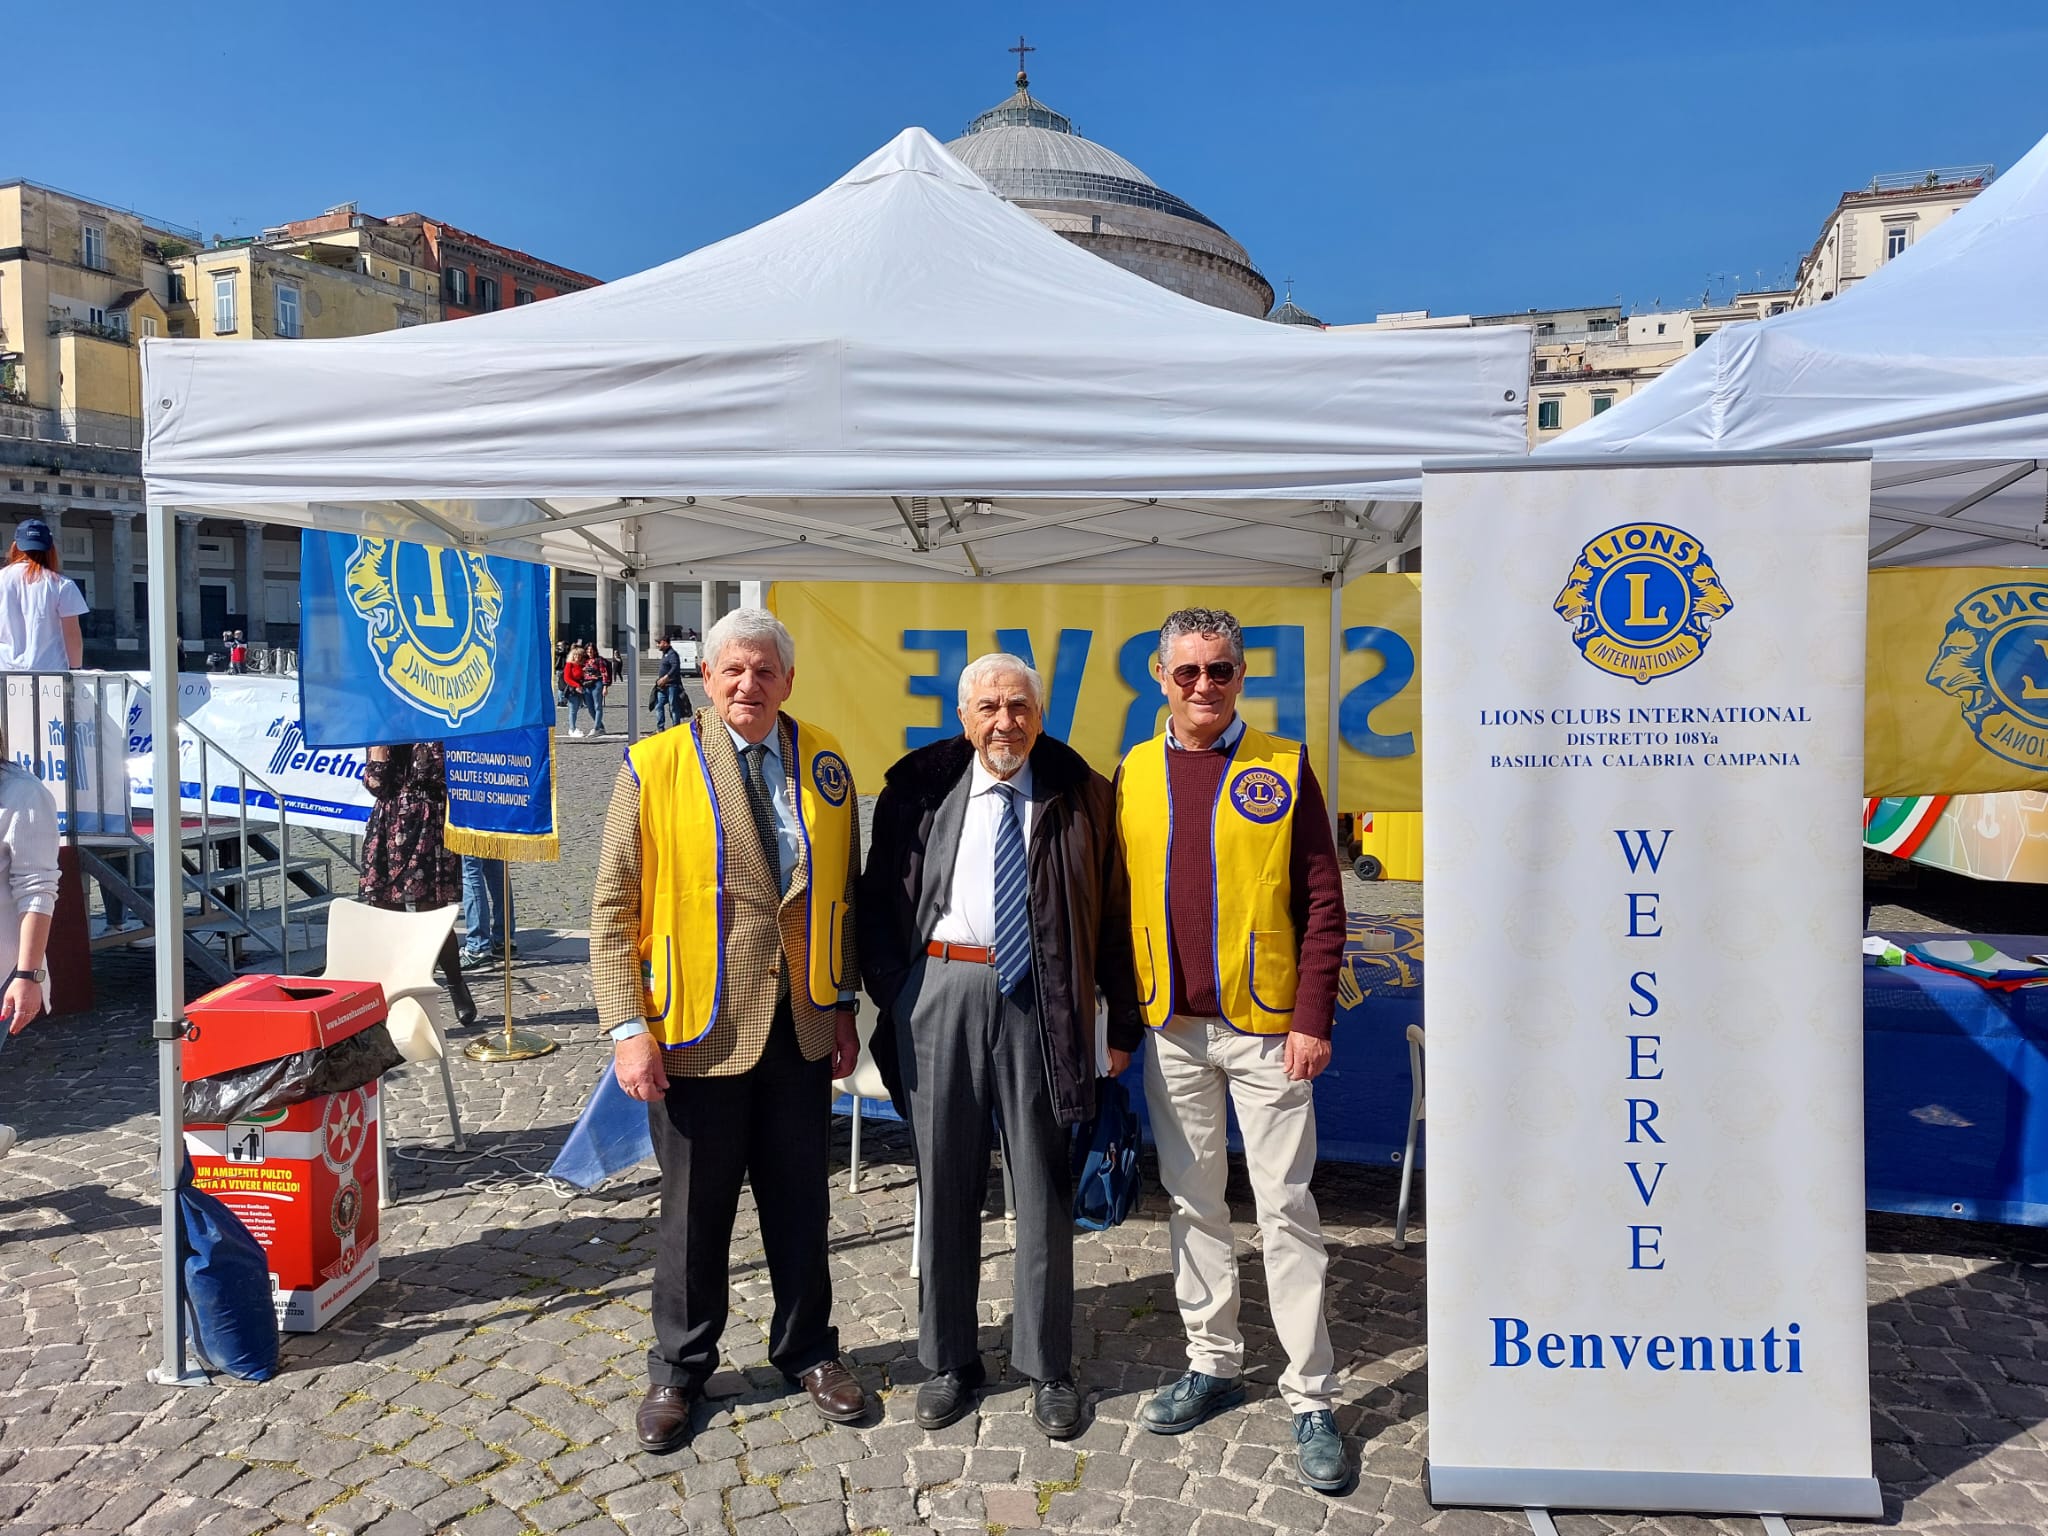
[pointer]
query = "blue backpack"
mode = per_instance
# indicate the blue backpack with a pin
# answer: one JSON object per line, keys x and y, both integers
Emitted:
{"x": 227, "y": 1286}
{"x": 1107, "y": 1180}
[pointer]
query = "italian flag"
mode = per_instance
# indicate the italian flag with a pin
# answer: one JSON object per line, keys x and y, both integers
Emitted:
{"x": 1899, "y": 824}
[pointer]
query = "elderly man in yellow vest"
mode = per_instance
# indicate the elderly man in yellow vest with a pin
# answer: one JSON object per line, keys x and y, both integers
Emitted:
{"x": 1237, "y": 927}
{"x": 722, "y": 947}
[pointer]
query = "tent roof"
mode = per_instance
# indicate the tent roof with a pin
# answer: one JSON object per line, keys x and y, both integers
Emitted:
{"x": 1937, "y": 363}
{"x": 904, "y": 376}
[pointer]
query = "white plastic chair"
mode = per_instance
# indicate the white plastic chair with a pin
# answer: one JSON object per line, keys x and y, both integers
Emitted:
{"x": 398, "y": 951}
{"x": 1414, "y": 1119}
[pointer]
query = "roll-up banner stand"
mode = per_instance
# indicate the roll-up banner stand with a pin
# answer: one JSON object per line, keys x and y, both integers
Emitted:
{"x": 1643, "y": 699}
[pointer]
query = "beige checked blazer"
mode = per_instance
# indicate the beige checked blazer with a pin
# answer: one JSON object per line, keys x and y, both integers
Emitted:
{"x": 764, "y": 936}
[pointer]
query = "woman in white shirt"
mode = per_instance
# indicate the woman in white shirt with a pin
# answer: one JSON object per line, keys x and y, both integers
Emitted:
{"x": 28, "y": 895}
{"x": 39, "y": 606}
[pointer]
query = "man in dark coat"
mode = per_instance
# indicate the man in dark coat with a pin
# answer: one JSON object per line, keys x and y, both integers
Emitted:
{"x": 993, "y": 910}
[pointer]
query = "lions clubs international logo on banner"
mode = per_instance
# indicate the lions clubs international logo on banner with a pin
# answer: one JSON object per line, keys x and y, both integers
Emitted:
{"x": 1640, "y": 601}
{"x": 1994, "y": 661}
{"x": 412, "y": 642}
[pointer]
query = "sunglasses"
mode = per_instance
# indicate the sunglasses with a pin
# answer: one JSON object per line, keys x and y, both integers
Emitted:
{"x": 1188, "y": 674}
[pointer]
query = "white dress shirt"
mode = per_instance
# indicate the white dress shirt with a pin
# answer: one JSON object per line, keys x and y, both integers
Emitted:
{"x": 970, "y": 915}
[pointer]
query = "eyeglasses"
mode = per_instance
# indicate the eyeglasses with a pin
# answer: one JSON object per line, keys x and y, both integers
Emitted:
{"x": 1187, "y": 674}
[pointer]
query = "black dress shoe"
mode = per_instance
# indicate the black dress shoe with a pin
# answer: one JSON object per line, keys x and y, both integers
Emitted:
{"x": 663, "y": 1421}
{"x": 948, "y": 1395}
{"x": 1056, "y": 1407}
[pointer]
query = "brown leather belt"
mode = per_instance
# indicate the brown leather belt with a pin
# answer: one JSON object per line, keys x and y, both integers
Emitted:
{"x": 972, "y": 954}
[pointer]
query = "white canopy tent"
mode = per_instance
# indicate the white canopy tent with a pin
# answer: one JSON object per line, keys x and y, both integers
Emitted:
{"x": 1937, "y": 364}
{"x": 904, "y": 378}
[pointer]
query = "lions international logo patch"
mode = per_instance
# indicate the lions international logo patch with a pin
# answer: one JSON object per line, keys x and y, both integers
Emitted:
{"x": 1993, "y": 661}
{"x": 1641, "y": 600}
{"x": 432, "y": 617}
{"x": 829, "y": 773}
{"x": 1260, "y": 795}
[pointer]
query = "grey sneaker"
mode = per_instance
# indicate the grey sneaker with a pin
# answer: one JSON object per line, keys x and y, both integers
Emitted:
{"x": 1319, "y": 1452}
{"x": 1192, "y": 1400}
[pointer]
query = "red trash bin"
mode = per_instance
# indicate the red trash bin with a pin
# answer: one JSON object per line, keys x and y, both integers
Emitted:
{"x": 302, "y": 1179}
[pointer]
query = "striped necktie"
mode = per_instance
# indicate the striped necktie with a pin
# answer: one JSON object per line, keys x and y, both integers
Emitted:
{"x": 763, "y": 812}
{"x": 1013, "y": 894}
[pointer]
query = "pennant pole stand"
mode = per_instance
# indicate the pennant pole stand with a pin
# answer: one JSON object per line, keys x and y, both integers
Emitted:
{"x": 516, "y": 1044}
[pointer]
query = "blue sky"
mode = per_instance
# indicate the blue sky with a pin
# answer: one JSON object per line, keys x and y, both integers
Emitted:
{"x": 1453, "y": 157}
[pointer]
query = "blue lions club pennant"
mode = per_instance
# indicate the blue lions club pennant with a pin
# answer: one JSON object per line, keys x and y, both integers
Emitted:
{"x": 501, "y": 796}
{"x": 411, "y": 642}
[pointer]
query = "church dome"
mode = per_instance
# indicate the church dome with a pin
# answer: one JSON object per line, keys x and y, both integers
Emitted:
{"x": 1094, "y": 197}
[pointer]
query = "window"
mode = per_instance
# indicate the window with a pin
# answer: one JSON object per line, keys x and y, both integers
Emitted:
{"x": 1699, "y": 338}
{"x": 149, "y": 325}
{"x": 174, "y": 289}
{"x": 96, "y": 317}
{"x": 1660, "y": 327}
{"x": 1549, "y": 415}
{"x": 92, "y": 246}
{"x": 1602, "y": 404}
{"x": 1546, "y": 328}
{"x": 117, "y": 323}
{"x": 1894, "y": 241}
{"x": 1543, "y": 365}
{"x": 287, "y": 309}
{"x": 1780, "y": 307}
{"x": 224, "y": 302}
{"x": 487, "y": 293}
{"x": 404, "y": 278}
{"x": 455, "y": 286}
{"x": 521, "y": 296}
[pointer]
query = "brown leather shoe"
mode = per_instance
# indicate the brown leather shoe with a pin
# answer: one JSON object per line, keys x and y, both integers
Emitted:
{"x": 663, "y": 1421}
{"x": 834, "y": 1390}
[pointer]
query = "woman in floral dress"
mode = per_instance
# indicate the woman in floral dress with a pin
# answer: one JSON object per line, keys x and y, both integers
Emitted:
{"x": 406, "y": 866}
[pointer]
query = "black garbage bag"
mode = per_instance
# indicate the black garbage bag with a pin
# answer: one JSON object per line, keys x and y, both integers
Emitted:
{"x": 256, "y": 1090}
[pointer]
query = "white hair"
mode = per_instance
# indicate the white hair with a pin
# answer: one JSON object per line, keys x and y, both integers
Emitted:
{"x": 755, "y": 628}
{"x": 995, "y": 664}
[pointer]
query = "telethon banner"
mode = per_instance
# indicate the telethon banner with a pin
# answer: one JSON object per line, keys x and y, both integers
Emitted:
{"x": 255, "y": 721}
{"x": 412, "y": 642}
{"x": 879, "y": 666}
{"x": 1644, "y": 706}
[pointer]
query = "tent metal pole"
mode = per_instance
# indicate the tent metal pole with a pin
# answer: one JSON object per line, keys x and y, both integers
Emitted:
{"x": 1333, "y": 784}
{"x": 167, "y": 813}
{"x": 634, "y": 587}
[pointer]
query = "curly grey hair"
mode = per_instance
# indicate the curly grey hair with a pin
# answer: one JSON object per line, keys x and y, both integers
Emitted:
{"x": 1201, "y": 621}
{"x": 996, "y": 664}
{"x": 755, "y": 627}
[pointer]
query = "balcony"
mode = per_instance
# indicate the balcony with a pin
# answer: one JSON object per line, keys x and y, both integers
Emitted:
{"x": 71, "y": 325}
{"x": 101, "y": 431}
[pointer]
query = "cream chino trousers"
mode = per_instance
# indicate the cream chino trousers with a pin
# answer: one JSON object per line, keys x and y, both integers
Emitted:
{"x": 1195, "y": 1069}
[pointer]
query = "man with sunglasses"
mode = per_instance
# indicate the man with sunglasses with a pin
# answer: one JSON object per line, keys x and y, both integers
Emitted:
{"x": 1237, "y": 930}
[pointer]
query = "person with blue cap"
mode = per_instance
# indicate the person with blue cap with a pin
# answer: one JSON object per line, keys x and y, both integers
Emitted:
{"x": 39, "y": 606}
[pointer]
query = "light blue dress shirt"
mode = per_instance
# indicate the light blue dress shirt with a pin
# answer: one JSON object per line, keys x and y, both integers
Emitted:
{"x": 1227, "y": 742}
{"x": 788, "y": 835}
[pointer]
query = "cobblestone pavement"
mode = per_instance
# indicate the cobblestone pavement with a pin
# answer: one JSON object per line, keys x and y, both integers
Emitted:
{"x": 486, "y": 1383}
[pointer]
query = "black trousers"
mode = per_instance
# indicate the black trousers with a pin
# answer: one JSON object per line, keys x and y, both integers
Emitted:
{"x": 968, "y": 1052}
{"x": 771, "y": 1126}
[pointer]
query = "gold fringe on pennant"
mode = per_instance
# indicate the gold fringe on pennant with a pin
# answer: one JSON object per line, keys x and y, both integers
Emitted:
{"x": 513, "y": 847}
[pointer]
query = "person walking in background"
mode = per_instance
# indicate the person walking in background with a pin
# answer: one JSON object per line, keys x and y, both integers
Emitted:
{"x": 39, "y": 606}
{"x": 406, "y": 865}
{"x": 668, "y": 686}
{"x": 993, "y": 910}
{"x": 1237, "y": 924}
{"x": 572, "y": 687}
{"x": 238, "y": 655}
{"x": 28, "y": 895}
{"x": 596, "y": 678}
{"x": 486, "y": 911}
{"x": 561, "y": 660}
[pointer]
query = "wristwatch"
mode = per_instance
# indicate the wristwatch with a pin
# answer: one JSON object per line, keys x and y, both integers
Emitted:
{"x": 40, "y": 977}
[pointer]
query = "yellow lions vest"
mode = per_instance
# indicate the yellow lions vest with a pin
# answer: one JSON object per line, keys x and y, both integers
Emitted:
{"x": 683, "y": 894}
{"x": 1251, "y": 841}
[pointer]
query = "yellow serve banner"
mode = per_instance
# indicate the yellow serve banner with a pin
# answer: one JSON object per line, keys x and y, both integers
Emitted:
{"x": 1957, "y": 690}
{"x": 1956, "y": 697}
{"x": 878, "y": 665}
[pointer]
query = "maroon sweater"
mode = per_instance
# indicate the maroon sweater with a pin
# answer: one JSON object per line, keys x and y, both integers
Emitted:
{"x": 1316, "y": 893}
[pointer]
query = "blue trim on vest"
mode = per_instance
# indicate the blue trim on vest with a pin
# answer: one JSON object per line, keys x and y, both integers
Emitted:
{"x": 718, "y": 837}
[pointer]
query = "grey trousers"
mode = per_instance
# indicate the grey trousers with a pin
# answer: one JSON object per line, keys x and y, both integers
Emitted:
{"x": 967, "y": 1051}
